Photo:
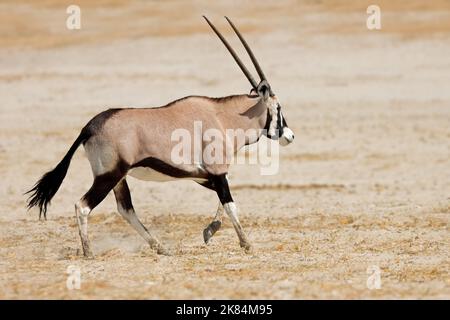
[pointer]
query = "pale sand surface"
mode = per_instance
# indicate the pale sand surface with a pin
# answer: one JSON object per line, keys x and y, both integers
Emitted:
{"x": 366, "y": 182}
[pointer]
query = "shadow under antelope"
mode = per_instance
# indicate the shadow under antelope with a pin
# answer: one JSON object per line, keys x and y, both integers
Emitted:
{"x": 137, "y": 142}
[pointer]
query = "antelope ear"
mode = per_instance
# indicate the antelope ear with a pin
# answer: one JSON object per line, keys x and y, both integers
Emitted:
{"x": 263, "y": 89}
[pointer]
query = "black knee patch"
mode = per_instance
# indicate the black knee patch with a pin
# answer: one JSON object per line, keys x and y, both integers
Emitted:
{"x": 220, "y": 184}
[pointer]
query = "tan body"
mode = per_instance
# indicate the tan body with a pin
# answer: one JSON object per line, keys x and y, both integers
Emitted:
{"x": 134, "y": 134}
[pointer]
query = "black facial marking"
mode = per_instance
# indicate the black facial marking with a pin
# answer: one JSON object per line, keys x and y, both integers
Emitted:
{"x": 279, "y": 121}
{"x": 268, "y": 120}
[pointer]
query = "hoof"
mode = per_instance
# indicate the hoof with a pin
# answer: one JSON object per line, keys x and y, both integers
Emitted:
{"x": 246, "y": 246}
{"x": 87, "y": 252}
{"x": 207, "y": 234}
{"x": 88, "y": 255}
{"x": 162, "y": 251}
{"x": 211, "y": 230}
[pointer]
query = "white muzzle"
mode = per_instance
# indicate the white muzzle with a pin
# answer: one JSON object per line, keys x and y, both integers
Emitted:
{"x": 287, "y": 137}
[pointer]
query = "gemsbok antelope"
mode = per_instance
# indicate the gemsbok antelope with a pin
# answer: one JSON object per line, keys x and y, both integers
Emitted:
{"x": 137, "y": 142}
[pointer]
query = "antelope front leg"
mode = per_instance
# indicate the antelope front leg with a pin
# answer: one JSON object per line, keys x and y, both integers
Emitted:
{"x": 214, "y": 226}
{"x": 223, "y": 191}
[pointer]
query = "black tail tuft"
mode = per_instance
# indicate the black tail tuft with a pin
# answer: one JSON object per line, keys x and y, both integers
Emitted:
{"x": 44, "y": 190}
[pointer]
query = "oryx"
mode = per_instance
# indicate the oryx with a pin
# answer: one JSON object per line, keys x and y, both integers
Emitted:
{"x": 137, "y": 142}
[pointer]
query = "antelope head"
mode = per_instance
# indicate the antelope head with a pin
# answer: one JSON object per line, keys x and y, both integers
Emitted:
{"x": 276, "y": 125}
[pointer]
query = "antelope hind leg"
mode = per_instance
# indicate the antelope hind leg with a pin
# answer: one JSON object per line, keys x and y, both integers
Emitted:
{"x": 82, "y": 212}
{"x": 98, "y": 191}
{"x": 125, "y": 208}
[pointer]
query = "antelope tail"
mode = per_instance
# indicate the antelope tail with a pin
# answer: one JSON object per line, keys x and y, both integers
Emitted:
{"x": 44, "y": 190}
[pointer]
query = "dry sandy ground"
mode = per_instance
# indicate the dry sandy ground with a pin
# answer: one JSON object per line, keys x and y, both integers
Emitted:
{"x": 367, "y": 181}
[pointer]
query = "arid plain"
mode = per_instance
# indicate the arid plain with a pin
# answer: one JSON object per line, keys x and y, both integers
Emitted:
{"x": 366, "y": 182}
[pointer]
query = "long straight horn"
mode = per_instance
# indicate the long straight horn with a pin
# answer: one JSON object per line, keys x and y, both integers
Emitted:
{"x": 233, "y": 53}
{"x": 249, "y": 51}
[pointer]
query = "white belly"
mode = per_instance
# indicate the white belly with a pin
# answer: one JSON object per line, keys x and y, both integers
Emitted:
{"x": 148, "y": 174}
